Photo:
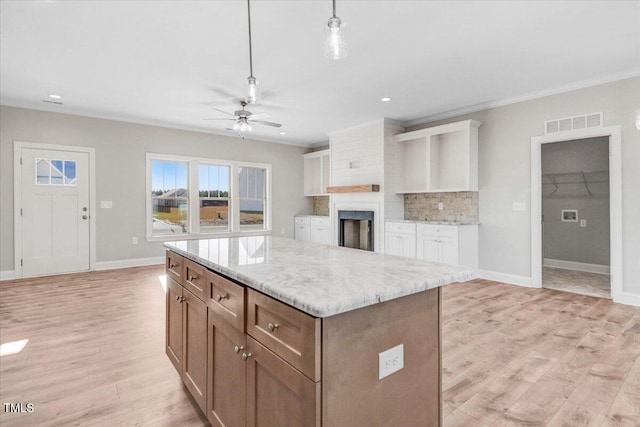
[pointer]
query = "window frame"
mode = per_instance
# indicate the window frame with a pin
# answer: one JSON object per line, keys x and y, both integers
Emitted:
{"x": 194, "y": 198}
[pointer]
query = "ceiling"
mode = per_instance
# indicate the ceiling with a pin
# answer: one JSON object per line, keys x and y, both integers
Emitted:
{"x": 168, "y": 62}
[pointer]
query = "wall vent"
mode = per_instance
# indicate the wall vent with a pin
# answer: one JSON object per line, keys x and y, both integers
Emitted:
{"x": 572, "y": 123}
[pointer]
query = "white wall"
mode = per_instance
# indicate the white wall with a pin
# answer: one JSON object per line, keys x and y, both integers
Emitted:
{"x": 504, "y": 173}
{"x": 568, "y": 241}
{"x": 121, "y": 168}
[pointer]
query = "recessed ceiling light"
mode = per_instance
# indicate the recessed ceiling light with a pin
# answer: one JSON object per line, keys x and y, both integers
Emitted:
{"x": 55, "y": 96}
{"x": 385, "y": 99}
{"x": 283, "y": 133}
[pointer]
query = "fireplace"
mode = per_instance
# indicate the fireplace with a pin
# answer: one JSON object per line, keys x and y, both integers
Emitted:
{"x": 355, "y": 229}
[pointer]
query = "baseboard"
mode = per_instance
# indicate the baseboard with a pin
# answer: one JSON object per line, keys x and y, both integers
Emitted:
{"x": 629, "y": 299}
{"x": 7, "y": 275}
{"x": 511, "y": 279}
{"x": 577, "y": 266}
{"x": 126, "y": 263}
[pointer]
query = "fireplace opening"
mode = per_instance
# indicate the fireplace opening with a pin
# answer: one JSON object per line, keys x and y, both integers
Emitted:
{"x": 355, "y": 229}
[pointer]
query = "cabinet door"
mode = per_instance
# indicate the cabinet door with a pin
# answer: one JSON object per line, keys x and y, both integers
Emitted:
{"x": 320, "y": 235}
{"x": 312, "y": 176}
{"x": 278, "y": 394}
{"x": 194, "y": 355}
{"x": 408, "y": 246}
{"x": 303, "y": 232}
{"x": 174, "y": 323}
{"x": 428, "y": 249}
{"x": 392, "y": 244}
{"x": 449, "y": 251}
{"x": 227, "y": 374}
{"x": 400, "y": 245}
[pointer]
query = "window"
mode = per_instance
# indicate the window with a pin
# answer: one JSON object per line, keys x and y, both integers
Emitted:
{"x": 199, "y": 197}
{"x": 55, "y": 172}
{"x": 252, "y": 198}
{"x": 170, "y": 197}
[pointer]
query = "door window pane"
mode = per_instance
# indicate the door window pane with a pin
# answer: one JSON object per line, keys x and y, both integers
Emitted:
{"x": 55, "y": 172}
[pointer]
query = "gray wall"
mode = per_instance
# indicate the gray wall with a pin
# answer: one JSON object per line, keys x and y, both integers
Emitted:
{"x": 567, "y": 241}
{"x": 121, "y": 168}
{"x": 505, "y": 171}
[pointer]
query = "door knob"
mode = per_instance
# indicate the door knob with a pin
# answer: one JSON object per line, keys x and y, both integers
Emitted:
{"x": 84, "y": 217}
{"x": 84, "y": 209}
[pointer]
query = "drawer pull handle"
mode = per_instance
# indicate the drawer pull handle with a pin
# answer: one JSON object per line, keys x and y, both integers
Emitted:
{"x": 177, "y": 297}
{"x": 245, "y": 356}
{"x": 272, "y": 327}
{"x": 192, "y": 278}
{"x": 238, "y": 348}
{"x": 181, "y": 299}
{"x": 173, "y": 265}
{"x": 221, "y": 297}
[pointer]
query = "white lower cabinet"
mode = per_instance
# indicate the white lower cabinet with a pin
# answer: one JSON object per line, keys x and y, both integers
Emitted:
{"x": 313, "y": 229}
{"x": 449, "y": 244}
{"x": 400, "y": 239}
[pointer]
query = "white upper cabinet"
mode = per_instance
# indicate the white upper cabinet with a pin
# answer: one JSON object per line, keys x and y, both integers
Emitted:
{"x": 317, "y": 169}
{"x": 437, "y": 159}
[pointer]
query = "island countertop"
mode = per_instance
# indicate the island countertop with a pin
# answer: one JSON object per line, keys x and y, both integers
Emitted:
{"x": 320, "y": 280}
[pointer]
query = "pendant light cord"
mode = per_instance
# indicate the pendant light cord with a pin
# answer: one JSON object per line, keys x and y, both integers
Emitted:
{"x": 250, "y": 51}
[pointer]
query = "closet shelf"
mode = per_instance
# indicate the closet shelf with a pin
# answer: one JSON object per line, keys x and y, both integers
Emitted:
{"x": 584, "y": 177}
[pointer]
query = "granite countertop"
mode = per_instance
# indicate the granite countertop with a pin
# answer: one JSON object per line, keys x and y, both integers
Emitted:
{"x": 434, "y": 222}
{"x": 320, "y": 280}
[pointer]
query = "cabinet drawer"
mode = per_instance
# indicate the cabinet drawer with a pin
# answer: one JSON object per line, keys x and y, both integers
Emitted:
{"x": 320, "y": 222}
{"x": 226, "y": 299}
{"x": 400, "y": 227}
{"x": 303, "y": 220}
{"x": 289, "y": 333}
{"x": 449, "y": 231}
{"x": 175, "y": 266}
{"x": 195, "y": 279}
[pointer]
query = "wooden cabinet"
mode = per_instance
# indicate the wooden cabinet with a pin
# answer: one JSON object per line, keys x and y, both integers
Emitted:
{"x": 317, "y": 169}
{"x": 186, "y": 331}
{"x": 313, "y": 229}
{"x": 174, "y": 323}
{"x": 440, "y": 158}
{"x": 227, "y": 375}
{"x": 400, "y": 239}
{"x": 279, "y": 393}
{"x": 194, "y": 356}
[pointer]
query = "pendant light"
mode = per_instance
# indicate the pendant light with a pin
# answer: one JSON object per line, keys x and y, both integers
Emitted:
{"x": 334, "y": 45}
{"x": 253, "y": 90}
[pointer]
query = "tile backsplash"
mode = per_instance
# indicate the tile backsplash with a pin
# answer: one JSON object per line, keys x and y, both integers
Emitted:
{"x": 457, "y": 206}
{"x": 321, "y": 205}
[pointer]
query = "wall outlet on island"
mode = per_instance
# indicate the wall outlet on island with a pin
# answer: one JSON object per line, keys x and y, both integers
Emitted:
{"x": 440, "y": 206}
{"x": 390, "y": 361}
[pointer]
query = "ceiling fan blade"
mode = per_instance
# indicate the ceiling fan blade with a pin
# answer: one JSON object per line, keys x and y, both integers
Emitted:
{"x": 221, "y": 119}
{"x": 262, "y": 122}
{"x": 222, "y": 111}
{"x": 261, "y": 114}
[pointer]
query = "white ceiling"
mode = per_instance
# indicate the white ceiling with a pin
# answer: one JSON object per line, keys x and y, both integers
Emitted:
{"x": 168, "y": 62}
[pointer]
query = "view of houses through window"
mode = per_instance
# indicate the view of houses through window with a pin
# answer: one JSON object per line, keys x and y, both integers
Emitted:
{"x": 226, "y": 194}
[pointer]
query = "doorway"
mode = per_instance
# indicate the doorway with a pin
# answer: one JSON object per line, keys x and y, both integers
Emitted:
{"x": 575, "y": 216}
{"x": 613, "y": 135}
{"x": 53, "y": 205}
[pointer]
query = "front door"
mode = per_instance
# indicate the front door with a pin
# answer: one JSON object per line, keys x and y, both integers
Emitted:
{"x": 55, "y": 211}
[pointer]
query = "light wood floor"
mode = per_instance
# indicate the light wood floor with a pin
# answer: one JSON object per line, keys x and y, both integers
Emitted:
{"x": 578, "y": 282}
{"x": 512, "y": 355}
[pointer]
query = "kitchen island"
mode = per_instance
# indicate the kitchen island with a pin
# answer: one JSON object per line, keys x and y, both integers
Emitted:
{"x": 278, "y": 332}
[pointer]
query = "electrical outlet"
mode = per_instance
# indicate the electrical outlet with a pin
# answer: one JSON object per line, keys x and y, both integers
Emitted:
{"x": 134, "y": 240}
{"x": 583, "y": 223}
{"x": 440, "y": 206}
{"x": 390, "y": 361}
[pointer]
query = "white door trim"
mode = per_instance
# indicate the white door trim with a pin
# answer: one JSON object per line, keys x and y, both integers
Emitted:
{"x": 17, "y": 198}
{"x": 615, "y": 200}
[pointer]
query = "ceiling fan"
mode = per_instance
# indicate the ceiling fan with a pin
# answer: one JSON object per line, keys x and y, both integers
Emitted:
{"x": 244, "y": 119}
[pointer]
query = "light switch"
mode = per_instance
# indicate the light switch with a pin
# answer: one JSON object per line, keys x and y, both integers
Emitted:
{"x": 519, "y": 206}
{"x": 106, "y": 204}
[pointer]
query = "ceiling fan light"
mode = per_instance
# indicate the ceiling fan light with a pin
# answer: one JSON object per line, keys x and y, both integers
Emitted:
{"x": 242, "y": 126}
{"x": 334, "y": 45}
{"x": 253, "y": 90}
